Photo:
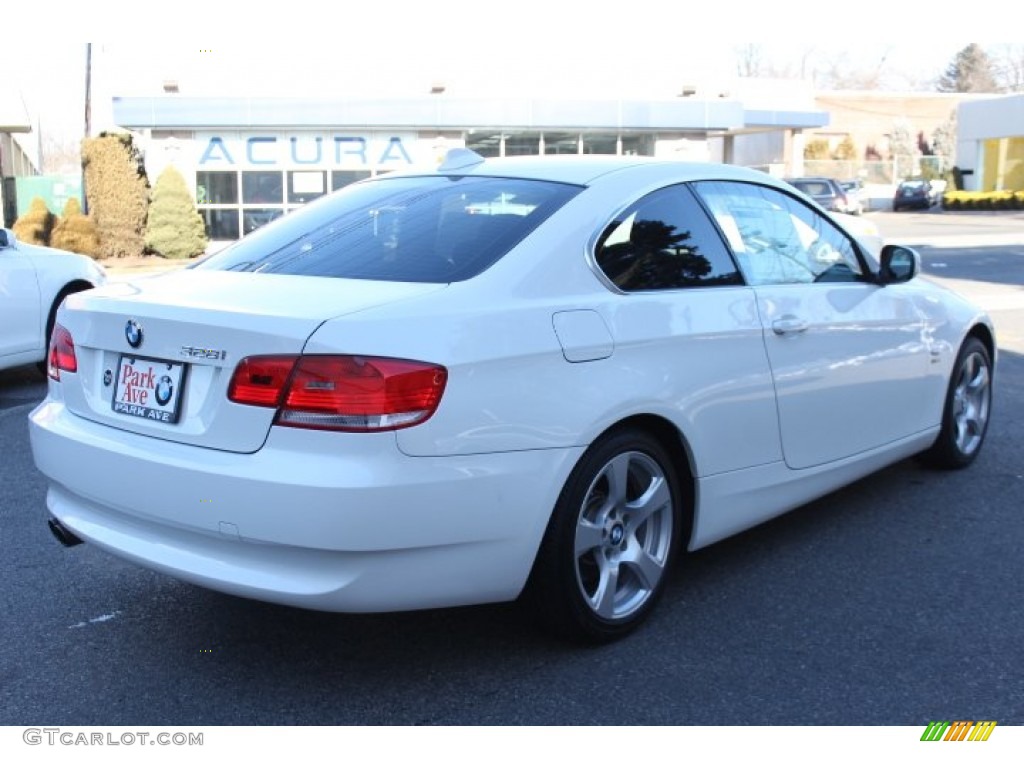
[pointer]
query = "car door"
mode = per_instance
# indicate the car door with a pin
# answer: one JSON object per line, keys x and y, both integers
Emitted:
{"x": 20, "y": 325}
{"x": 686, "y": 328}
{"x": 849, "y": 357}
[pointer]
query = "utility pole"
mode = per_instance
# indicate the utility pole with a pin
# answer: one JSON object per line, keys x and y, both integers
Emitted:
{"x": 88, "y": 116}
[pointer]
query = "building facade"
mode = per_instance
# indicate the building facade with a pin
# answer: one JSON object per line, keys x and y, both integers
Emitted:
{"x": 251, "y": 160}
{"x": 990, "y": 143}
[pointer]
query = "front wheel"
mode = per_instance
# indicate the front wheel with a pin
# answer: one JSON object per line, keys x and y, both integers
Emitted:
{"x": 967, "y": 408}
{"x": 611, "y": 540}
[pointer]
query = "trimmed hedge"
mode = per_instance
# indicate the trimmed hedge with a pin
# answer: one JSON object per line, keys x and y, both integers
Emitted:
{"x": 36, "y": 225}
{"x": 983, "y": 201}
{"x": 118, "y": 193}
{"x": 75, "y": 231}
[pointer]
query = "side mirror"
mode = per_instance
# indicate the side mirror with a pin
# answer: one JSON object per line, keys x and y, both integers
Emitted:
{"x": 898, "y": 264}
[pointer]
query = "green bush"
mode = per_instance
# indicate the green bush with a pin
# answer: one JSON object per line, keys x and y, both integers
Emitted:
{"x": 76, "y": 232}
{"x": 117, "y": 192}
{"x": 36, "y": 225}
{"x": 983, "y": 201}
{"x": 174, "y": 228}
{"x": 817, "y": 149}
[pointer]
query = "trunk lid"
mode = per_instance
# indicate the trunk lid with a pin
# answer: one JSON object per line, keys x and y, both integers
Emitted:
{"x": 192, "y": 328}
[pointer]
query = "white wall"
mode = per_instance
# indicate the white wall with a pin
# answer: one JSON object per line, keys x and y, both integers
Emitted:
{"x": 986, "y": 119}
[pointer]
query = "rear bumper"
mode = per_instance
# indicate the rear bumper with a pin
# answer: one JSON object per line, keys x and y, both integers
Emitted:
{"x": 315, "y": 519}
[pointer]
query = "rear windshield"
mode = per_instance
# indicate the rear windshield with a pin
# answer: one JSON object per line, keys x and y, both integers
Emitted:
{"x": 814, "y": 188}
{"x": 424, "y": 229}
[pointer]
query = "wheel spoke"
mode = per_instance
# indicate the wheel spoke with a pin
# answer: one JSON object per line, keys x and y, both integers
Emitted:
{"x": 647, "y": 569}
{"x": 603, "y": 600}
{"x": 977, "y": 387}
{"x": 654, "y": 499}
{"x": 617, "y": 473}
{"x": 589, "y": 536}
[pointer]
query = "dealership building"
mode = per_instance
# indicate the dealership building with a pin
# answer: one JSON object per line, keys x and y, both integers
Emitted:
{"x": 990, "y": 143}
{"x": 251, "y": 159}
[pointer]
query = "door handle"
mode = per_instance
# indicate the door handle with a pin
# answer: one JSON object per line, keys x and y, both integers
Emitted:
{"x": 789, "y": 324}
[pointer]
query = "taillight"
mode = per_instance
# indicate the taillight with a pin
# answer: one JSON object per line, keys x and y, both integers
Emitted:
{"x": 343, "y": 392}
{"x": 261, "y": 380}
{"x": 61, "y": 355}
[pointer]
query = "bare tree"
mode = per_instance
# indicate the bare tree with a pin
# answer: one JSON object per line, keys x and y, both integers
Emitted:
{"x": 903, "y": 149}
{"x": 944, "y": 140}
{"x": 1009, "y": 67}
{"x": 59, "y": 154}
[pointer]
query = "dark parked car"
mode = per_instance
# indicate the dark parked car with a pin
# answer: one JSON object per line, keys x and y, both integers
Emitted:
{"x": 826, "y": 192}
{"x": 914, "y": 194}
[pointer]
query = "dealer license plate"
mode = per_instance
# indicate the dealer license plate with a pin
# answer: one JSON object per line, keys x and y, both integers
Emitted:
{"x": 148, "y": 389}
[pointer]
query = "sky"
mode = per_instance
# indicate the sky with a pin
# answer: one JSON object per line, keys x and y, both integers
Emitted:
{"x": 525, "y": 47}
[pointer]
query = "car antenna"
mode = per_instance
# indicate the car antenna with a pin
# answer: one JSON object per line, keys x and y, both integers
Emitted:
{"x": 459, "y": 159}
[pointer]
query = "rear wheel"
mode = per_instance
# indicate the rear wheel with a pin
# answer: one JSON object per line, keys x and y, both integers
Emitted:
{"x": 611, "y": 540}
{"x": 966, "y": 413}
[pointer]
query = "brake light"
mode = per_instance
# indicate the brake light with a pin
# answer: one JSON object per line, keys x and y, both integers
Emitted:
{"x": 349, "y": 393}
{"x": 261, "y": 380}
{"x": 61, "y": 355}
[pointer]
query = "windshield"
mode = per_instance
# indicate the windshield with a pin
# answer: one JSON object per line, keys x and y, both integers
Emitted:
{"x": 413, "y": 229}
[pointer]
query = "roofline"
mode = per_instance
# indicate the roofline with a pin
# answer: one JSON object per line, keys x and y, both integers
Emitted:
{"x": 443, "y": 112}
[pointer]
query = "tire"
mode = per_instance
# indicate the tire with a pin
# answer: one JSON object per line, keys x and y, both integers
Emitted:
{"x": 611, "y": 540}
{"x": 967, "y": 409}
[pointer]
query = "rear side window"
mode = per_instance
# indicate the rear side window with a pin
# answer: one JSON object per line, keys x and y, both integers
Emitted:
{"x": 662, "y": 242}
{"x": 427, "y": 229}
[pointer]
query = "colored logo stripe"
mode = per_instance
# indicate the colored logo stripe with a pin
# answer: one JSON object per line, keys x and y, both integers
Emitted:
{"x": 959, "y": 730}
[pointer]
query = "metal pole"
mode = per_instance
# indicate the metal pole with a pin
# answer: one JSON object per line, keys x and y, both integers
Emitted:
{"x": 88, "y": 116}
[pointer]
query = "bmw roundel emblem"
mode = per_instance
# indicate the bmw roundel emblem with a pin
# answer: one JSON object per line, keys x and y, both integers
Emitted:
{"x": 133, "y": 332}
{"x": 164, "y": 390}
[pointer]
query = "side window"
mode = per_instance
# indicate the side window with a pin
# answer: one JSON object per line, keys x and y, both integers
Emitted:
{"x": 777, "y": 238}
{"x": 662, "y": 242}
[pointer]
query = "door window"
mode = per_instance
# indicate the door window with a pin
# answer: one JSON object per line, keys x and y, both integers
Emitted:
{"x": 778, "y": 239}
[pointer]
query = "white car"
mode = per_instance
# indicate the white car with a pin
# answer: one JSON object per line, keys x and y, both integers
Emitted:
{"x": 33, "y": 282}
{"x": 527, "y": 376}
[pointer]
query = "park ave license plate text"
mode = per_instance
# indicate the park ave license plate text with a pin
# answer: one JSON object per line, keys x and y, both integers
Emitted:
{"x": 148, "y": 389}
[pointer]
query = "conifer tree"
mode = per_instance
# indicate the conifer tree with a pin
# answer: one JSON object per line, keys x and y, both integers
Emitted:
{"x": 971, "y": 71}
{"x": 174, "y": 229}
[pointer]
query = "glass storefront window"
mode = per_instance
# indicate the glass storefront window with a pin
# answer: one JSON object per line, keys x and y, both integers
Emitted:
{"x": 600, "y": 144}
{"x": 216, "y": 188}
{"x": 305, "y": 186}
{"x": 221, "y": 224}
{"x": 484, "y": 144}
{"x": 341, "y": 179}
{"x": 638, "y": 144}
{"x": 254, "y": 218}
{"x": 262, "y": 187}
{"x": 561, "y": 144}
{"x": 522, "y": 144}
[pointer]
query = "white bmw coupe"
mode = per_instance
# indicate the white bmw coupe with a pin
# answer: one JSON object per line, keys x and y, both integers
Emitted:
{"x": 530, "y": 376}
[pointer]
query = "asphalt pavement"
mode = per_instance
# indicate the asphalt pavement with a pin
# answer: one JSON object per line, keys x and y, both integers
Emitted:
{"x": 893, "y": 601}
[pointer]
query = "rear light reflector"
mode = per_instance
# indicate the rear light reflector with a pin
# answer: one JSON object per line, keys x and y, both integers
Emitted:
{"x": 61, "y": 355}
{"x": 261, "y": 380}
{"x": 341, "y": 392}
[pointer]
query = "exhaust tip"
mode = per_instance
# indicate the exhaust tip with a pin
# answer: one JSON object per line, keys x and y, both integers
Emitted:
{"x": 62, "y": 534}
